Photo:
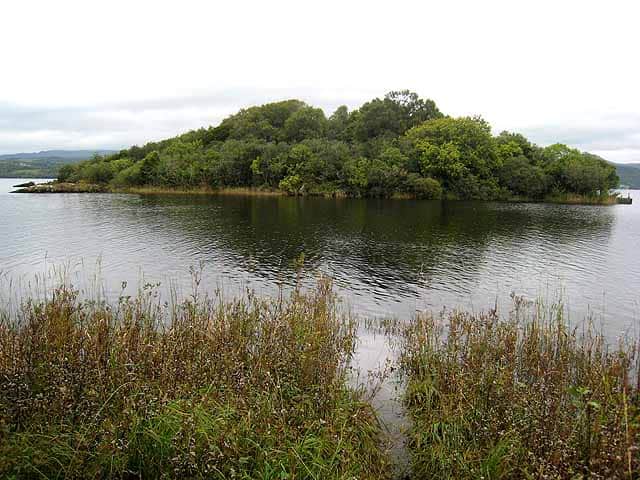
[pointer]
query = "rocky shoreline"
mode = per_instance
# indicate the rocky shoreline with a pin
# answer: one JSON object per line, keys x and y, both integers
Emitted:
{"x": 60, "y": 187}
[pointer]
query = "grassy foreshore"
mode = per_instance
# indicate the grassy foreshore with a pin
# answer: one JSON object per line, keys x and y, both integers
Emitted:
{"x": 526, "y": 397}
{"x": 249, "y": 388}
{"x": 258, "y": 388}
{"x": 81, "y": 187}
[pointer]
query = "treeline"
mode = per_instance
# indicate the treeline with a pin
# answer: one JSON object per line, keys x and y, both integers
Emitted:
{"x": 400, "y": 145}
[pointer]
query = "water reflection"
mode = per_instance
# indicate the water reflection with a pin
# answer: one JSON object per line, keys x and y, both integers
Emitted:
{"x": 387, "y": 257}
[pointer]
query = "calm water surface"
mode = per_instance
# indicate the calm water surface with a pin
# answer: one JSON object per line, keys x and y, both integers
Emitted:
{"x": 387, "y": 257}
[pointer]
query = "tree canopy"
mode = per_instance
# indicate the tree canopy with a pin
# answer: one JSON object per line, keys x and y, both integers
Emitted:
{"x": 397, "y": 145}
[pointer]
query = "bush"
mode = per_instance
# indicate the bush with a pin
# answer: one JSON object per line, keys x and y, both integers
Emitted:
{"x": 130, "y": 176}
{"x": 66, "y": 173}
{"x": 523, "y": 397}
{"x": 425, "y": 188}
{"x": 291, "y": 184}
{"x": 522, "y": 178}
{"x": 97, "y": 172}
{"x": 250, "y": 388}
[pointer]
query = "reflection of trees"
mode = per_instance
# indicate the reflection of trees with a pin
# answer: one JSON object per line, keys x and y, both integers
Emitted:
{"x": 392, "y": 243}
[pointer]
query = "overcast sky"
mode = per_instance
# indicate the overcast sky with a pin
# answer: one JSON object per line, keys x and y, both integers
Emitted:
{"x": 108, "y": 74}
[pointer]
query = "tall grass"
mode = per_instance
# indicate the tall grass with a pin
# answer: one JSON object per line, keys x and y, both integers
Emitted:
{"x": 520, "y": 397}
{"x": 206, "y": 388}
{"x": 204, "y": 190}
{"x": 579, "y": 199}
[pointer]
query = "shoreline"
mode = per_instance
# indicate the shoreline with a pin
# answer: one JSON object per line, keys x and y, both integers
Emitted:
{"x": 130, "y": 390}
{"x": 64, "y": 187}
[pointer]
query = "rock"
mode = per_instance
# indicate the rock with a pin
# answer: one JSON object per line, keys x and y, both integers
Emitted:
{"x": 58, "y": 187}
{"x": 22, "y": 185}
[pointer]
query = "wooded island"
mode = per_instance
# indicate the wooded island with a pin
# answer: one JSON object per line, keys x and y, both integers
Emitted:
{"x": 397, "y": 146}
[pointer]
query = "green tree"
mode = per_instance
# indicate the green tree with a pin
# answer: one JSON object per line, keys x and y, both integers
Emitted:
{"x": 577, "y": 172}
{"x": 339, "y": 125}
{"x": 523, "y": 178}
{"x": 148, "y": 168}
{"x": 305, "y": 123}
{"x": 459, "y": 151}
{"x": 66, "y": 173}
{"x": 393, "y": 115}
{"x": 424, "y": 188}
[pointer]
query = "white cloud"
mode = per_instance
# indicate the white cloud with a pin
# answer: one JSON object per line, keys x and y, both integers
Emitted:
{"x": 128, "y": 72}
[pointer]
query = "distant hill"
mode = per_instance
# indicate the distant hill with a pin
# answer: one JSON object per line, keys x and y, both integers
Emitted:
{"x": 43, "y": 164}
{"x": 629, "y": 174}
{"x": 55, "y": 154}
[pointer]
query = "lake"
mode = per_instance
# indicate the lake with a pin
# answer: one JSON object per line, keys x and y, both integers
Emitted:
{"x": 387, "y": 257}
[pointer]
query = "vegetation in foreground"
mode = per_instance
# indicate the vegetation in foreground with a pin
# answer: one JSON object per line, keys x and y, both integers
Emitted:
{"x": 255, "y": 388}
{"x": 248, "y": 388}
{"x": 525, "y": 397}
{"x": 400, "y": 145}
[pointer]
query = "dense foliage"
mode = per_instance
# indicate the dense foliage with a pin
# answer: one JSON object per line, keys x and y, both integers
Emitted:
{"x": 398, "y": 145}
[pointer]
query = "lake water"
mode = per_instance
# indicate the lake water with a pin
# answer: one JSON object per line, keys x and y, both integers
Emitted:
{"x": 387, "y": 257}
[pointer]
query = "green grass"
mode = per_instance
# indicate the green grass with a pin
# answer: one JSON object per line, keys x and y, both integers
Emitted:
{"x": 246, "y": 388}
{"x": 519, "y": 397}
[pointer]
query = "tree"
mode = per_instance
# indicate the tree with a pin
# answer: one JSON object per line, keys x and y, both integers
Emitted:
{"x": 424, "y": 188}
{"x": 393, "y": 115}
{"x": 577, "y": 172}
{"x": 265, "y": 122}
{"x": 148, "y": 168}
{"x": 339, "y": 125}
{"x": 415, "y": 109}
{"x": 66, "y": 172}
{"x": 305, "y": 123}
{"x": 515, "y": 145}
{"x": 453, "y": 148}
{"x": 523, "y": 178}
{"x": 292, "y": 184}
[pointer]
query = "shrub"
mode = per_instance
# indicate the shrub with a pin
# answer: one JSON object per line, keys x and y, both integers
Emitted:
{"x": 424, "y": 188}
{"x": 522, "y": 397}
{"x": 249, "y": 388}
{"x": 291, "y": 184}
{"x": 66, "y": 173}
{"x": 129, "y": 177}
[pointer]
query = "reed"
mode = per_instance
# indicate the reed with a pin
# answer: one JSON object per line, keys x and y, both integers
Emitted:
{"x": 239, "y": 191}
{"x": 525, "y": 396}
{"x": 205, "y": 388}
{"x": 578, "y": 199}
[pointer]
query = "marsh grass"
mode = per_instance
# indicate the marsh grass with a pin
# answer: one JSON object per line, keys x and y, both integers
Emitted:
{"x": 519, "y": 397}
{"x": 204, "y": 388}
{"x": 578, "y": 199}
{"x": 205, "y": 190}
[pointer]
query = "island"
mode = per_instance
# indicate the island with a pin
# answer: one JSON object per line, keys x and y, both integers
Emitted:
{"x": 398, "y": 146}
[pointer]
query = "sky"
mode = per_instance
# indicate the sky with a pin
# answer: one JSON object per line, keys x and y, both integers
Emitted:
{"x": 108, "y": 74}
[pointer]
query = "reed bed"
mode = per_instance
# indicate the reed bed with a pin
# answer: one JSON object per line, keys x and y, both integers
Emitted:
{"x": 525, "y": 396}
{"x": 205, "y": 388}
{"x": 578, "y": 199}
{"x": 230, "y": 191}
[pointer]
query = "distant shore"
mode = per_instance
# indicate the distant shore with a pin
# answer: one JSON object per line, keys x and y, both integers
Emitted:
{"x": 82, "y": 187}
